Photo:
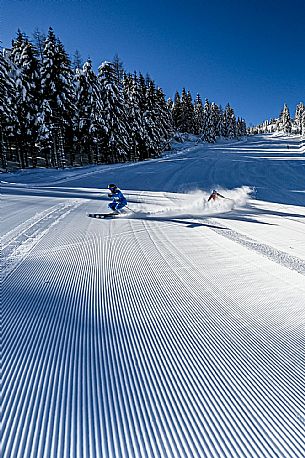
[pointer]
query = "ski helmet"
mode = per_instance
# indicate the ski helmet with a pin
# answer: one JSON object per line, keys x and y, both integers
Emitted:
{"x": 112, "y": 187}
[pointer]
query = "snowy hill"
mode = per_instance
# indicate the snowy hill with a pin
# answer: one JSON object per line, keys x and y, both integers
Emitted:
{"x": 174, "y": 331}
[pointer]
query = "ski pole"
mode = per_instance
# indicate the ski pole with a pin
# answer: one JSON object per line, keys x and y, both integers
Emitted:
{"x": 130, "y": 209}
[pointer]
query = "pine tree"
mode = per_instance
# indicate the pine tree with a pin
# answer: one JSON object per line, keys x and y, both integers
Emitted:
{"x": 241, "y": 129}
{"x": 209, "y": 134}
{"x": 152, "y": 130}
{"x": 39, "y": 41}
{"x": 115, "y": 136}
{"x": 198, "y": 116}
{"x": 145, "y": 100}
{"x": 230, "y": 122}
{"x": 77, "y": 60}
{"x": 190, "y": 113}
{"x": 17, "y": 46}
{"x": 222, "y": 122}
{"x": 119, "y": 71}
{"x": 170, "y": 105}
{"x": 133, "y": 117}
{"x": 27, "y": 99}
{"x": 300, "y": 108}
{"x": 216, "y": 119}
{"x": 177, "y": 112}
{"x": 142, "y": 91}
{"x": 303, "y": 124}
{"x": 225, "y": 124}
{"x": 87, "y": 115}
{"x": 285, "y": 121}
{"x": 149, "y": 118}
{"x": 187, "y": 108}
{"x": 165, "y": 121}
{"x": 57, "y": 107}
{"x": 7, "y": 107}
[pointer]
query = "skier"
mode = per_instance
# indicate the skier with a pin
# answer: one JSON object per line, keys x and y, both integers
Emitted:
{"x": 118, "y": 199}
{"x": 215, "y": 195}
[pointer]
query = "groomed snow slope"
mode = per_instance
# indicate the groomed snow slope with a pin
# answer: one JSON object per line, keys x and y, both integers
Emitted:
{"x": 175, "y": 331}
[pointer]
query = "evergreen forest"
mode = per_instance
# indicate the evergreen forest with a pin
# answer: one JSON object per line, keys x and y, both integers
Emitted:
{"x": 55, "y": 112}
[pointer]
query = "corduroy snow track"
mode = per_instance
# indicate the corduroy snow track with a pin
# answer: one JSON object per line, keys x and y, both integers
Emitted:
{"x": 161, "y": 333}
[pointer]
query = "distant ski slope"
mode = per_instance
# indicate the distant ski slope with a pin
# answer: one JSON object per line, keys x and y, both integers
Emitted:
{"x": 177, "y": 331}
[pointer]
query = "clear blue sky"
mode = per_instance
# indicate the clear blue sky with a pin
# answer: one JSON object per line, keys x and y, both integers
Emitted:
{"x": 247, "y": 53}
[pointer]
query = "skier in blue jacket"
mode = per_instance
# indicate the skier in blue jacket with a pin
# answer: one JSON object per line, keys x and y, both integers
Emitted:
{"x": 118, "y": 199}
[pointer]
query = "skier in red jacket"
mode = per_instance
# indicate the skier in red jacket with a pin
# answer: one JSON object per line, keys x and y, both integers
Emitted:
{"x": 215, "y": 196}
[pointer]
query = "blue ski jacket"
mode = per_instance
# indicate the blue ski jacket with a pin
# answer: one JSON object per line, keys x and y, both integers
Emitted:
{"x": 118, "y": 197}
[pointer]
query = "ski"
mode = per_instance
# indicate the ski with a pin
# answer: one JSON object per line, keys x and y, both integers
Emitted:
{"x": 102, "y": 215}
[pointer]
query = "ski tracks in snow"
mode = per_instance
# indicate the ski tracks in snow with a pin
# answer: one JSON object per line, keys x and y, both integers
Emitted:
{"x": 16, "y": 244}
{"x": 133, "y": 349}
{"x": 206, "y": 345}
{"x": 275, "y": 255}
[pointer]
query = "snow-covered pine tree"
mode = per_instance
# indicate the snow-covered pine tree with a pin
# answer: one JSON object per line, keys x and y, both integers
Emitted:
{"x": 77, "y": 60}
{"x": 222, "y": 122}
{"x": 165, "y": 120}
{"x": 187, "y": 121}
{"x": 151, "y": 122}
{"x": 216, "y": 120}
{"x": 198, "y": 116}
{"x": 285, "y": 123}
{"x": 7, "y": 106}
{"x": 170, "y": 105}
{"x": 303, "y": 124}
{"x": 27, "y": 99}
{"x": 213, "y": 123}
{"x": 17, "y": 46}
{"x": 177, "y": 112}
{"x": 119, "y": 71}
{"x": 300, "y": 108}
{"x": 115, "y": 134}
{"x": 209, "y": 134}
{"x": 39, "y": 40}
{"x": 56, "y": 133}
{"x": 230, "y": 121}
{"x": 142, "y": 91}
{"x": 66, "y": 102}
{"x": 136, "y": 136}
{"x": 241, "y": 128}
{"x": 146, "y": 100}
{"x": 87, "y": 110}
{"x": 190, "y": 112}
{"x": 244, "y": 128}
{"x": 272, "y": 125}
{"x": 238, "y": 128}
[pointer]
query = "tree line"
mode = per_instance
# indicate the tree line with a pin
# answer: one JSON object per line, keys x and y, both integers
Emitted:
{"x": 55, "y": 113}
{"x": 208, "y": 120}
{"x": 284, "y": 123}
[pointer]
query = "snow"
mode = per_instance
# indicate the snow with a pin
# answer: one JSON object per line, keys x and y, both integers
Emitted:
{"x": 175, "y": 330}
